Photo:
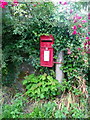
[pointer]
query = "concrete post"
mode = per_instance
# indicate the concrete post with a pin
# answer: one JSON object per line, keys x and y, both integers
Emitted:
{"x": 59, "y": 73}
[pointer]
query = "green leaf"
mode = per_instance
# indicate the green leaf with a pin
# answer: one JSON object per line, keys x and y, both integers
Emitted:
{"x": 41, "y": 96}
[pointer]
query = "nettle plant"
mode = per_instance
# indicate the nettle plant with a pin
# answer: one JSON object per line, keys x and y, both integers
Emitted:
{"x": 41, "y": 87}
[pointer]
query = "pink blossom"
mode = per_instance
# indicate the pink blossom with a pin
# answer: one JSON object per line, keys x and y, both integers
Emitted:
{"x": 79, "y": 26}
{"x": 79, "y": 48}
{"x": 3, "y": 3}
{"x": 88, "y": 32}
{"x": 64, "y": 3}
{"x": 15, "y": 2}
{"x": 76, "y": 18}
{"x": 79, "y": 33}
{"x": 82, "y": 53}
{"x": 83, "y": 21}
{"x": 84, "y": 47}
{"x": 88, "y": 15}
{"x": 74, "y": 32}
{"x": 34, "y": 5}
{"x": 75, "y": 21}
{"x": 71, "y": 10}
{"x": 69, "y": 51}
{"x": 85, "y": 43}
{"x": 2, "y": 6}
{"x": 67, "y": 48}
{"x": 88, "y": 42}
{"x": 79, "y": 17}
{"x": 74, "y": 27}
{"x": 87, "y": 38}
{"x": 76, "y": 56}
{"x": 39, "y": 3}
{"x": 85, "y": 61}
{"x": 60, "y": 2}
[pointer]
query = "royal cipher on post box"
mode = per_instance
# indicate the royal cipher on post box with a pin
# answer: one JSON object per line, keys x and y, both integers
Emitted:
{"x": 46, "y": 50}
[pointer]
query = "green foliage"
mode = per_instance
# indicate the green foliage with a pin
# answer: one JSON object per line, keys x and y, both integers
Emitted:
{"x": 43, "y": 86}
{"x": 22, "y": 26}
{"x": 15, "y": 108}
{"x": 26, "y": 22}
{"x": 21, "y": 42}
{"x": 62, "y": 113}
{"x": 44, "y": 111}
{"x": 25, "y": 115}
{"x": 50, "y": 110}
{"x": 74, "y": 66}
{"x": 65, "y": 86}
{"x": 76, "y": 112}
{"x": 77, "y": 91}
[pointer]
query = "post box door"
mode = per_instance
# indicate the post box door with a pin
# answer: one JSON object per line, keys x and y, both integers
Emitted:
{"x": 46, "y": 57}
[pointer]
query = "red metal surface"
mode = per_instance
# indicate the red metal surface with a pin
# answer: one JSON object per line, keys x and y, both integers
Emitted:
{"x": 46, "y": 43}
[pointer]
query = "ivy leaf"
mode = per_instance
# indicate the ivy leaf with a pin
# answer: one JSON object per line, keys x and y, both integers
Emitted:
{"x": 41, "y": 96}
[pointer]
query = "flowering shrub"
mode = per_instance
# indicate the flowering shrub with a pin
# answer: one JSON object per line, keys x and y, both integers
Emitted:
{"x": 3, "y": 3}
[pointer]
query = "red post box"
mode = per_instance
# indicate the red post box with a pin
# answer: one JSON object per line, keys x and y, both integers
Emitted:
{"x": 46, "y": 50}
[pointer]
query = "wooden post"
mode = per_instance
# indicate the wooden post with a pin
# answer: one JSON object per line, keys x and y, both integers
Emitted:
{"x": 59, "y": 73}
